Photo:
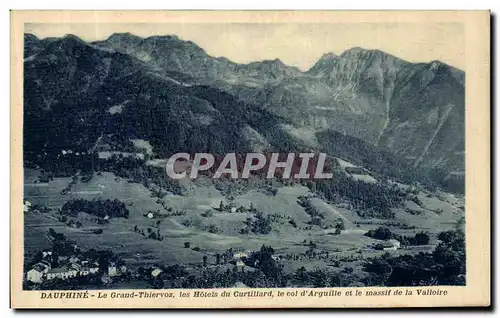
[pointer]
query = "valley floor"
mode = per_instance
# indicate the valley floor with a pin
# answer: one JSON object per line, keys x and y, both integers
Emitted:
{"x": 193, "y": 233}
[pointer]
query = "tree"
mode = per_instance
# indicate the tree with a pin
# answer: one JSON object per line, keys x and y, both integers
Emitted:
{"x": 158, "y": 283}
{"x": 421, "y": 238}
{"x": 272, "y": 271}
{"x": 187, "y": 244}
{"x": 213, "y": 229}
{"x": 217, "y": 258}
{"x": 52, "y": 232}
{"x": 340, "y": 224}
{"x": 381, "y": 233}
{"x": 302, "y": 275}
{"x": 319, "y": 278}
{"x": 205, "y": 260}
{"x": 380, "y": 270}
{"x": 261, "y": 224}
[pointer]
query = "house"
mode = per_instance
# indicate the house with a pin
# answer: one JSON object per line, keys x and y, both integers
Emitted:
{"x": 75, "y": 266}
{"x": 239, "y": 254}
{"x": 112, "y": 270}
{"x": 61, "y": 273}
{"x": 115, "y": 270}
{"x": 26, "y": 206}
{"x": 239, "y": 262}
{"x": 86, "y": 270}
{"x": 35, "y": 275}
{"x": 74, "y": 259}
{"x": 45, "y": 263}
{"x": 156, "y": 272}
{"x": 276, "y": 257}
{"x": 390, "y": 245}
{"x": 395, "y": 243}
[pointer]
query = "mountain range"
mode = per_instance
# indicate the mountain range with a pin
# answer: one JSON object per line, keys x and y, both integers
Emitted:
{"x": 368, "y": 106}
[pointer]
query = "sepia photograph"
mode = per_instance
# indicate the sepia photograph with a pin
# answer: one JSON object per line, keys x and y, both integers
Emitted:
{"x": 208, "y": 159}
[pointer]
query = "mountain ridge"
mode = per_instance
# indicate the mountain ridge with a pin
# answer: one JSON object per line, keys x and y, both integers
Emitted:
{"x": 414, "y": 110}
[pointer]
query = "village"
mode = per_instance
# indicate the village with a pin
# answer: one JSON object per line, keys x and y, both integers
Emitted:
{"x": 66, "y": 262}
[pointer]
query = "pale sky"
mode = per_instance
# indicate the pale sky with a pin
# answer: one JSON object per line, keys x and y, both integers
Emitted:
{"x": 299, "y": 45}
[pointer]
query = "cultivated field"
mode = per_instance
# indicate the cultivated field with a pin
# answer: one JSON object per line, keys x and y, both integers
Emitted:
{"x": 435, "y": 214}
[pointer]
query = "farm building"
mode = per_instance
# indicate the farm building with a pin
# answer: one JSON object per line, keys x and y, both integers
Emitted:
{"x": 61, "y": 272}
{"x": 35, "y": 275}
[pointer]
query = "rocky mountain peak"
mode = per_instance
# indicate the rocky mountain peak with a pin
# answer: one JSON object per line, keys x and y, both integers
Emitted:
{"x": 121, "y": 37}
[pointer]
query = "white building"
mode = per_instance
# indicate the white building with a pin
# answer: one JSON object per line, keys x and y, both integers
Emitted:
{"x": 156, "y": 272}
{"x": 395, "y": 243}
{"x": 391, "y": 245}
{"x": 84, "y": 271}
{"x": 74, "y": 260}
{"x": 240, "y": 253}
{"x": 114, "y": 270}
{"x": 35, "y": 275}
{"x": 62, "y": 273}
{"x": 239, "y": 262}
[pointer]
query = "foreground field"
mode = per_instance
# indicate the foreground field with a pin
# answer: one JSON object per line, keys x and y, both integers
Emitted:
{"x": 184, "y": 220}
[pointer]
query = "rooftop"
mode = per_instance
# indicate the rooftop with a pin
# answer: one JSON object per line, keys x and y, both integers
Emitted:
{"x": 58, "y": 270}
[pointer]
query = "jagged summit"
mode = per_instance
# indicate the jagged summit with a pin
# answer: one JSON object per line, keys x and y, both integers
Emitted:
{"x": 123, "y": 36}
{"x": 71, "y": 38}
{"x": 168, "y": 37}
{"x": 329, "y": 56}
{"x": 361, "y": 53}
{"x": 323, "y": 63}
{"x": 414, "y": 110}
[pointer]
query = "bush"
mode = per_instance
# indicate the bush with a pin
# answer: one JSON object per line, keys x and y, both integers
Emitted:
{"x": 421, "y": 238}
{"x": 340, "y": 224}
{"x": 214, "y": 229}
{"x": 381, "y": 233}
